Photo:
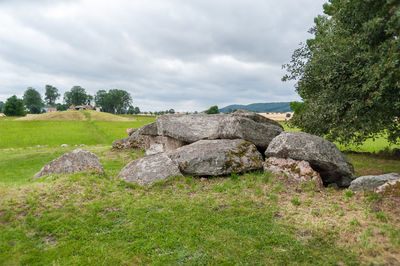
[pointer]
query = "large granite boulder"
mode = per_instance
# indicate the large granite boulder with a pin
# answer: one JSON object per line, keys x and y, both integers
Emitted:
{"x": 239, "y": 125}
{"x": 371, "y": 182}
{"x": 149, "y": 169}
{"x": 295, "y": 171}
{"x": 323, "y": 156}
{"x": 217, "y": 157}
{"x": 72, "y": 162}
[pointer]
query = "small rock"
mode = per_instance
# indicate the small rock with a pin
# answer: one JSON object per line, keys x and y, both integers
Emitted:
{"x": 64, "y": 145}
{"x": 371, "y": 182}
{"x": 72, "y": 162}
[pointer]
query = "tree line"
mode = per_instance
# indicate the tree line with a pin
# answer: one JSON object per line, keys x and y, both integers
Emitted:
{"x": 114, "y": 101}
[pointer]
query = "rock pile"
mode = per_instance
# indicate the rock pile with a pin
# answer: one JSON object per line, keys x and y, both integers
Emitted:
{"x": 212, "y": 145}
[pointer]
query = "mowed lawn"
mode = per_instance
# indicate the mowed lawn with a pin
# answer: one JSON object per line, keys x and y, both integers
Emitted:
{"x": 30, "y": 133}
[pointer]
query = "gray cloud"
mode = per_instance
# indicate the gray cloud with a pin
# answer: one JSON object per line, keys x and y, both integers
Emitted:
{"x": 178, "y": 54}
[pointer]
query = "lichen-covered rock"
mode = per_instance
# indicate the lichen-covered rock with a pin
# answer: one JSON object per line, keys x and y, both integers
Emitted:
{"x": 390, "y": 188}
{"x": 371, "y": 182}
{"x": 240, "y": 125}
{"x": 217, "y": 157}
{"x": 72, "y": 162}
{"x": 158, "y": 144}
{"x": 134, "y": 141}
{"x": 323, "y": 156}
{"x": 149, "y": 169}
{"x": 297, "y": 171}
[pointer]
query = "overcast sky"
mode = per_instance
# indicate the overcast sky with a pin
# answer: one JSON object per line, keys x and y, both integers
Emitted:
{"x": 181, "y": 54}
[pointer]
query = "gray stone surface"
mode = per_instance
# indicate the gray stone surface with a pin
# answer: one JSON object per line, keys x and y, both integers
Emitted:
{"x": 297, "y": 171}
{"x": 371, "y": 182}
{"x": 240, "y": 125}
{"x": 323, "y": 156}
{"x": 134, "y": 141}
{"x": 390, "y": 188}
{"x": 72, "y": 162}
{"x": 149, "y": 129}
{"x": 149, "y": 169}
{"x": 217, "y": 157}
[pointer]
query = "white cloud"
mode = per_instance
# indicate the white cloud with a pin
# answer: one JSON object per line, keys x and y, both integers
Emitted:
{"x": 185, "y": 55}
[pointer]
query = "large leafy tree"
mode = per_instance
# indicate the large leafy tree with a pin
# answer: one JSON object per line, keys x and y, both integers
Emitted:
{"x": 14, "y": 107}
{"x": 77, "y": 96}
{"x": 51, "y": 95}
{"x": 33, "y": 101}
{"x": 113, "y": 101}
{"x": 1, "y": 106}
{"x": 348, "y": 74}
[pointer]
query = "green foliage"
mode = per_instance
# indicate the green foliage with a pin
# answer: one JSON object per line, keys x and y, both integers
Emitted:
{"x": 115, "y": 101}
{"x": 62, "y": 107}
{"x": 14, "y": 107}
{"x": 348, "y": 193}
{"x": 348, "y": 74}
{"x": 33, "y": 101}
{"x": 295, "y": 201}
{"x": 1, "y": 106}
{"x": 76, "y": 96}
{"x": 212, "y": 110}
{"x": 51, "y": 95}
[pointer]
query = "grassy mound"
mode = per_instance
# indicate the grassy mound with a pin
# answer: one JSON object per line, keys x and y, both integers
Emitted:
{"x": 75, "y": 116}
{"x": 90, "y": 131}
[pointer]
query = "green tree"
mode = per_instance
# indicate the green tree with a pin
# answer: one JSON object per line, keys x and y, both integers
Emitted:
{"x": 51, "y": 95}
{"x": 348, "y": 73}
{"x": 171, "y": 111}
{"x": 14, "y": 107}
{"x": 1, "y": 106}
{"x": 77, "y": 96}
{"x": 212, "y": 110}
{"x": 114, "y": 101}
{"x": 62, "y": 107}
{"x": 33, "y": 101}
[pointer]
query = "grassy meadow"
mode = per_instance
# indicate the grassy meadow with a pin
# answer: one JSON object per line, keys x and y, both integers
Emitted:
{"x": 87, "y": 128}
{"x": 254, "y": 218}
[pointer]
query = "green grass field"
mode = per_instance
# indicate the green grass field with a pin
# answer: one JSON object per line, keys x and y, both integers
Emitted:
{"x": 255, "y": 218}
{"x": 30, "y": 133}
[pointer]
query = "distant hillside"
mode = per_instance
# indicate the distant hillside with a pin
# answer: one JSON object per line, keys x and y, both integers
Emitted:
{"x": 260, "y": 107}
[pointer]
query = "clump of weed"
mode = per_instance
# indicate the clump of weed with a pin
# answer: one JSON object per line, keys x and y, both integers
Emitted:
{"x": 354, "y": 223}
{"x": 381, "y": 216}
{"x": 372, "y": 197}
{"x": 295, "y": 201}
{"x": 348, "y": 193}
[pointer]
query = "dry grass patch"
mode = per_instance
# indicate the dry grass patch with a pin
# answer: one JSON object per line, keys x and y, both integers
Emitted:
{"x": 64, "y": 115}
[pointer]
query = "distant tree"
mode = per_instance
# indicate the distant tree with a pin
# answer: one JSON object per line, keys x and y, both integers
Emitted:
{"x": 171, "y": 111}
{"x": 62, "y": 107}
{"x": 77, "y": 96}
{"x": 212, "y": 110}
{"x": 33, "y": 101}
{"x": 195, "y": 112}
{"x": 137, "y": 110}
{"x": 1, "y": 106}
{"x": 51, "y": 95}
{"x": 113, "y": 101}
{"x": 14, "y": 107}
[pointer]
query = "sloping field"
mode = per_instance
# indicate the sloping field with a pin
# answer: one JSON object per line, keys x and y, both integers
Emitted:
{"x": 75, "y": 116}
{"x": 89, "y": 131}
